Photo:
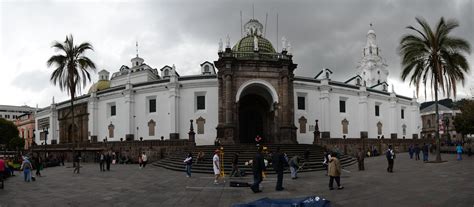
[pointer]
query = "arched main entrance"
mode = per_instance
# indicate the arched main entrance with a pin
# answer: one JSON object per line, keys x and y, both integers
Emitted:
{"x": 255, "y": 113}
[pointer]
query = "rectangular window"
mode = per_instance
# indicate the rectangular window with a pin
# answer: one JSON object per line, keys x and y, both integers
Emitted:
{"x": 113, "y": 110}
{"x": 152, "y": 105}
{"x": 403, "y": 113}
{"x": 301, "y": 103}
{"x": 377, "y": 110}
{"x": 201, "y": 102}
{"x": 342, "y": 106}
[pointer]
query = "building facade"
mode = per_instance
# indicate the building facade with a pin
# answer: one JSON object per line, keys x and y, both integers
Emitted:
{"x": 11, "y": 113}
{"x": 26, "y": 128}
{"x": 445, "y": 123}
{"x": 250, "y": 90}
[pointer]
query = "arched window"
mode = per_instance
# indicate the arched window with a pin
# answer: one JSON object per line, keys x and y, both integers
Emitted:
{"x": 358, "y": 82}
{"x": 404, "y": 129}
{"x": 151, "y": 128}
{"x": 111, "y": 130}
{"x": 206, "y": 68}
{"x": 345, "y": 125}
{"x": 167, "y": 73}
{"x": 379, "y": 128}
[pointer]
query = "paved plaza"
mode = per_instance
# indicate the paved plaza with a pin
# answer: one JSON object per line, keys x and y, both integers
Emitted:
{"x": 413, "y": 183}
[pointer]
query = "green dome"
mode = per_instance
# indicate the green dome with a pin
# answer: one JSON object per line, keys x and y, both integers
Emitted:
{"x": 246, "y": 45}
{"x": 99, "y": 86}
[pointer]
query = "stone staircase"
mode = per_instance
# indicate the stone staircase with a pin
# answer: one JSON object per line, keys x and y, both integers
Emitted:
{"x": 175, "y": 160}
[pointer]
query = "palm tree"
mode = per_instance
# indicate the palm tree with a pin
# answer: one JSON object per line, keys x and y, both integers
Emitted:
{"x": 435, "y": 57}
{"x": 71, "y": 71}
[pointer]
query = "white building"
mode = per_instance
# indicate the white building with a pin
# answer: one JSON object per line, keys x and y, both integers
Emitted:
{"x": 139, "y": 101}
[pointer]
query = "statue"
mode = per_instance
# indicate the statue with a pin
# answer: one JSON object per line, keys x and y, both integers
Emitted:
{"x": 255, "y": 43}
{"x": 227, "y": 43}
{"x": 283, "y": 43}
{"x": 289, "y": 48}
{"x": 220, "y": 45}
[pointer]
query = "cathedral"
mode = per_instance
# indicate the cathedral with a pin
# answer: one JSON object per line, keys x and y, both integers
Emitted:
{"x": 250, "y": 90}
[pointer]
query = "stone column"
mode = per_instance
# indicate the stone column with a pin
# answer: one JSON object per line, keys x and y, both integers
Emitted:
{"x": 191, "y": 133}
{"x": 326, "y": 109}
{"x": 363, "y": 115}
{"x": 54, "y": 124}
{"x": 129, "y": 112}
{"x": 93, "y": 117}
{"x": 228, "y": 99}
{"x": 284, "y": 101}
{"x": 393, "y": 123}
{"x": 174, "y": 110}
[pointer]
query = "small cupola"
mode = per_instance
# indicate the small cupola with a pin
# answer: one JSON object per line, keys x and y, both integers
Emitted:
{"x": 104, "y": 75}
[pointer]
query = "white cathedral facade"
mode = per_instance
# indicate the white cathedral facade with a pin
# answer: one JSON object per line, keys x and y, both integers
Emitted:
{"x": 251, "y": 90}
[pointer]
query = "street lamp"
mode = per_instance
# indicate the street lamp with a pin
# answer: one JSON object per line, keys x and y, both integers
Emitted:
{"x": 446, "y": 125}
{"x": 45, "y": 131}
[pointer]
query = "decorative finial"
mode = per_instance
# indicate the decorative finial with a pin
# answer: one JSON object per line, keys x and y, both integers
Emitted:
{"x": 255, "y": 43}
{"x": 136, "y": 45}
{"x": 53, "y": 99}
{"x": 128, "y": 76}
{"x": 220, "y": 45}
{"x": 227, "y": 42}
{"x": 393, "y": 90}
{"x": 283, "y": 43}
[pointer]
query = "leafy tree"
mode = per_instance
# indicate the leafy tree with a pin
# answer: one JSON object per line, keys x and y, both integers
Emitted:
{"x": 434, "y": 57}
{"x": 16, "y": 143}
{"x": 8, "y": 131}
{"x": 71, "y": 68}
{"x": 464, "y": 122}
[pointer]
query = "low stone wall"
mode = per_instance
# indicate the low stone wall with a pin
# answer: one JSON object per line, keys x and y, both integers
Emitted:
{"x": 351, "y": 146}
{"x": 154, "y": 149}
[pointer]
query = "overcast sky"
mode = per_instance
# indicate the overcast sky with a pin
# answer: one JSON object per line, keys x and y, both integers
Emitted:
{"x": 186, "y": 33}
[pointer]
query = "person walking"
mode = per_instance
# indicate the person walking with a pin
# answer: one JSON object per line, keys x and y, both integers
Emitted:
{"x": 102, "y": 161}
{"x": 334, "y": 172}
{"x": 235, "y": 165}
{"x": 108, "y": 160}
{"x": 216, "y": 164}
{"x": 189, "y": 163}
{"x": 258, "y": 166}
{"x": 279, "y": 163}
{"x": 77, "y": 160}
{"x": 390, "y": 158}
{"x": 26, "y": 166}
{"x": 2, "y": 172}
{"x": 410, "y": 151}
{"x": 306, "y": 155}
{"x": 425, "y": 150}
{"x": 326, "y": 160}
{"x": 38, "y": 165}
{"x": 140, "y": 161}
{"x": 417, "y": 152}
{"x": 459, "y": 151}
{"x": 144, "y": 159}
{"x": 360, "y": 159}
{"x": 294, "y": 165}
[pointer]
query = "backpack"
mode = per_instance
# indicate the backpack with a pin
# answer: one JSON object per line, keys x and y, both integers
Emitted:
{"x": 388, "y": 154}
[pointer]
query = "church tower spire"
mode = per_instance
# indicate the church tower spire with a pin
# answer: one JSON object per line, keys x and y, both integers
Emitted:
{"x": 372, "y": 67}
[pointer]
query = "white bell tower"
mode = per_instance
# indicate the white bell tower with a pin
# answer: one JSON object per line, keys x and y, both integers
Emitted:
{"x": 372, "y": 68}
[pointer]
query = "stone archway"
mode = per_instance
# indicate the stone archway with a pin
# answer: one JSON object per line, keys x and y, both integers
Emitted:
{"x": 256, "y": 114}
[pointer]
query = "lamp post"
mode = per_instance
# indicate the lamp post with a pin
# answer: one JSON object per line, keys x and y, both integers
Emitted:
{"x": 45, "y": 131}
{"x": 446, "y": 126}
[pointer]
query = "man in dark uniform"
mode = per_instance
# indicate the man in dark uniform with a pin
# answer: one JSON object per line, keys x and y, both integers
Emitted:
{"x": 258, "y": 166}
{"x": 279, "y": 163}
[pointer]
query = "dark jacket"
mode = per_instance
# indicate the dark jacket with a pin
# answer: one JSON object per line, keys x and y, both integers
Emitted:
{"x": 258, "y": 164}
{"x": 279, "y": 162}
{"x": 235, "y": 160}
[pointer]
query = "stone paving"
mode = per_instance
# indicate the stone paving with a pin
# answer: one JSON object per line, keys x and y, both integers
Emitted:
{"x": 413, "y": 183}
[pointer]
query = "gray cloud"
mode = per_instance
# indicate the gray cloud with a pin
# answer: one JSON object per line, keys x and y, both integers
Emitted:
{"x": 323, "y": 33}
